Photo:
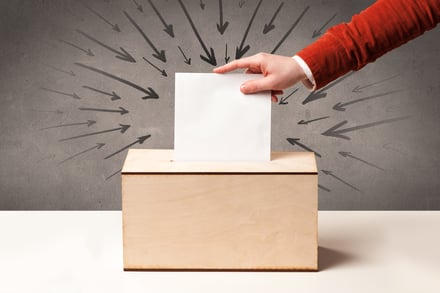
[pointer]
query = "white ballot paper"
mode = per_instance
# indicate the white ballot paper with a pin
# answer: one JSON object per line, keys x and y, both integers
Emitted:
{"x": 215, "y": 121}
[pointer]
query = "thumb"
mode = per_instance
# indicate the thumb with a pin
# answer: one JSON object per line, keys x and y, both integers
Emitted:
{"x": 258, "y": 85}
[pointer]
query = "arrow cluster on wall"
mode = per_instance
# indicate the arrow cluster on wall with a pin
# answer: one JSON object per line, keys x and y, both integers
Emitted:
{"x": 223, "y": 23}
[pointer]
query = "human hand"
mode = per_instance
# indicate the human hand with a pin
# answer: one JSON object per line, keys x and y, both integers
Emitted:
{"x": 279, "y": 73}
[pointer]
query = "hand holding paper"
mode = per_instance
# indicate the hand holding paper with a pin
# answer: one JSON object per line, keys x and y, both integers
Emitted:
{"x": 279, "y": 73}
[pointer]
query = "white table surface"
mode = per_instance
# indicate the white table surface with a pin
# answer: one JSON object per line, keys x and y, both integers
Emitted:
{"x": 59, "y": 251}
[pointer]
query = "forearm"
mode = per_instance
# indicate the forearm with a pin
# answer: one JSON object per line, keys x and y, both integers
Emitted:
{"x": 385, "y": 25}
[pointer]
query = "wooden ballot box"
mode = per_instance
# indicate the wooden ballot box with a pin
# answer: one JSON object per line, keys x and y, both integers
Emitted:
{"x": 219, "y": 215}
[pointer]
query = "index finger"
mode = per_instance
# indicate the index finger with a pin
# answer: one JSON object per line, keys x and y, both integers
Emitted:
{"x": 236, "y": 64}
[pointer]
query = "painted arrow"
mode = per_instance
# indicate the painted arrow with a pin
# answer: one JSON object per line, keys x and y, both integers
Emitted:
{"x": 71, "y": 73}
{"x": 122, "y": 111}
{"x": 330, "y": 173}
{"x": 151, "y": 94}
{"x": 115, "y": 27}
{"x": 226, "y": 54}
{"x": 284, "y": 99}
{"x": 88, "y": 123}
{"x": 270, "y": 26}
{"x": 122, "y": 129}
{"x": 241, "y": 3}
{"x": 302, "y": 122}
{"x": 113, "y": 95}
{"x": 316, "y": 95}
{"x": 221, "y": 27}
{"x": 240, "y": 51}
{"x": 162, "y": 71}
{"x": 358, "y": 89}
{"x": 124, "y": 55}
{"x": 341, "y": 106}
{"x": 202, "y": 5}
{"x": 323, "y": 188}
{"x": 157, "y": 54}
{"x": 97, "y": 146}
{"x": 187, "y": 60}
{"x": 336, "y": 132}
{"x": 138, "y": 6}
{"x": 349, "y": 155}
{"x": 295, "y": 141}
{"x": 168, "y": 27}
{"x": 117, "y": 172}
{"x": 319, "y": 32}
{"x": 140, "y": 140}
{"x": 74, "y": 95}
{"x": 88, "y": 51}
{"x": 290, "y": 30}
{"x": 210, "y": 55}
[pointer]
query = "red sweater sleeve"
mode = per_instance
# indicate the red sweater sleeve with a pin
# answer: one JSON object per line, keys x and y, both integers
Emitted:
{"x": 383, "y": 26}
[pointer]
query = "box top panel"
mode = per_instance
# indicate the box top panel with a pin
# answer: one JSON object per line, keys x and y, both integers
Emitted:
{"x": 150, "y": 161}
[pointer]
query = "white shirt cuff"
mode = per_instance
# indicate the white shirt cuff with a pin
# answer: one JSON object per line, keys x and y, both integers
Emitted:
{"x": 310, "y": 81}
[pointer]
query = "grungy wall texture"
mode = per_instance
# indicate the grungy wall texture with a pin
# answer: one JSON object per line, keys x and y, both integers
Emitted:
{"x": 73, "y": 78}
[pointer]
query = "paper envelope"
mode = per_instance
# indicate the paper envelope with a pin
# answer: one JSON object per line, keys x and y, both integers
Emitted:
{"x": 214, "y": 121}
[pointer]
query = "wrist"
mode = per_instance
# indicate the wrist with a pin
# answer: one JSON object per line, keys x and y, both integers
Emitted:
{"x": 308, "y": 79}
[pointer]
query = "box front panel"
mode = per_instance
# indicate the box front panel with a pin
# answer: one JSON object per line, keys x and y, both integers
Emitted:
{"x": 220, "y": 221}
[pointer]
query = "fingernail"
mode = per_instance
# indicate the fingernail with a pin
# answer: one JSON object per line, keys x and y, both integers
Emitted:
{"x": 243, "y": 88}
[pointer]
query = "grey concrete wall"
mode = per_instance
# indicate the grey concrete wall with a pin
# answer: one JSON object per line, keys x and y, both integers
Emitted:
{"x": 390, "y": 165}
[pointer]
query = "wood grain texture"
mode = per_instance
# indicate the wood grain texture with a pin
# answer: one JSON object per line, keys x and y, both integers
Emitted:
{"x": 220, "y": 221}
{"x": 161, "y": 161}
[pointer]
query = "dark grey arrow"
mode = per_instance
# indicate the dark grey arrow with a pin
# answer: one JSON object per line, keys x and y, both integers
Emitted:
{"x": 117, "y": 172}
{"x": 210, "y": 55}
{"x": 115, "y": 27}
{"x": 88, "y": 51}
{"x": 284, "y": 99}
{"x": 113, "y": 95}
{"x": 221, "y": 27}
{"x": 124, "y": 55}
{"x": 330, "y": 173}
{"x": 316, "y": 95}
{"x": 319, "y": 32}
{"x": 336, "y": 132}
{"x": 151, "y": 94}
{"x": 74, "y": 95}
{"x": 341, "y": 106}
{"x": 138, "y": 6}
{"x": 295, "y": 141}
{"x": 122, "y": 111}
{"x": 71, "y": 73}
{"x": 162, "y": 71}
{"x": 158, "y": 54}
{"x": 270, "y": 26}
{"x": 349, "y": 155}
{"x": 226, "y": 54}
{"x": 358, "y": 89}
{"x": 168, "y": 27}
{"x": 241, "y": 3}
{"x": 290, "y": 30}
{"x": 140, "y": 140}
{"x": 187, "y": 60}
{"x": 302, "y": 122}
{"x": 323, "y": 188}
{"x": 202, "y": 5}
{"x": 88, "y": 123}
{"x": 240, "y": 51}
{"x": 97, "y": 146}
{"x": 122, "y": 129}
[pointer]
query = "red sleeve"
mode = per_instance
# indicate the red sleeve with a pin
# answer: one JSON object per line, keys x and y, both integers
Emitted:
{"x": 383, "y": 26}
